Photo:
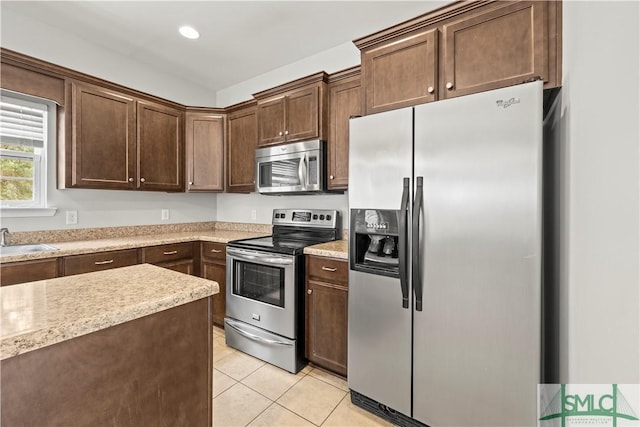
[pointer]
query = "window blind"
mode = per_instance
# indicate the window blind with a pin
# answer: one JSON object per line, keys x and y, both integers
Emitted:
{"x": 22, "y": 125}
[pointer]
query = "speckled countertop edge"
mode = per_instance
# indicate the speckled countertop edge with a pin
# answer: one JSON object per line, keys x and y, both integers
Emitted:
{"x": 112, "y": 244}
{"x": 69, "y": 307}
{"x": 336, "y": 249}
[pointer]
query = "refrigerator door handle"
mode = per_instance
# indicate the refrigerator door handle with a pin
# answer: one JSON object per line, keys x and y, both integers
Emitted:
{"x": 415, "y": 242}
{"x": 402, "y": 243}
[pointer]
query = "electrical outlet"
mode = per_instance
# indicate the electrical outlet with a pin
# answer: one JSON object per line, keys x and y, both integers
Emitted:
{"x": 72, "y": 217}
{"x": 253, "y": 215}
{"x": 165, "y": 214}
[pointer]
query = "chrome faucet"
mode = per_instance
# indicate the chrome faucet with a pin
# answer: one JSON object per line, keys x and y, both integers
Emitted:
{"x": 4, "y": 236}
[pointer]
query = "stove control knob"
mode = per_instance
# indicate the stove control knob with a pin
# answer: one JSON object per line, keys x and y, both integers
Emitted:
{"x": 321, "y": 217}
{"x": 328, "y": 217}
{"x": 315, "y": 216}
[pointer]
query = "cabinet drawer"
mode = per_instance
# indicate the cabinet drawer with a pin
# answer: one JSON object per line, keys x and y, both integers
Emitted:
{"x": 164, "y": 253}
{"x": 28, "y": 271}
{"x": 77, "y": 264}
{"x": 328, "y": 269}
{"x": 214, "y": 251}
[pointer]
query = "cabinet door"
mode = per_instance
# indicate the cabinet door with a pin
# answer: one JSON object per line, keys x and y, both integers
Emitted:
{"x": 344, "y": 102}
{"x": 402, "y": 73}
{"x": 327, "y": 326}
{"x": 205, "y": 152}
{"x": 217, "y": 271}
{"x": 77, "y": 264}
{"x": 271, "y": 121}
{"x": 501, "y": 47}
{"x": 183, "y": 266}
{"x": 28, "y": 271}
{"x": 103, "y": 139}
{"x": 302, "y": 115}
{"x": 160, "y": 147}
{"x": 241, "y": 150}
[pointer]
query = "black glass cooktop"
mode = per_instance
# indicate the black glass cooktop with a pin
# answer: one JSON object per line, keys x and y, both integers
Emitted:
{"x": 271, "y": 244}
{"x": 289, "y": 241}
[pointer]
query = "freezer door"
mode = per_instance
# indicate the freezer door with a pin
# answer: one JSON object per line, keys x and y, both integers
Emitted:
{"x": 477, "y": 338}
{"x": 379, "y": 338}
{"x": 380, "y": 156}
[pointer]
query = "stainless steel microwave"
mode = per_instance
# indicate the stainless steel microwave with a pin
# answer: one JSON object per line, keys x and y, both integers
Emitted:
{"x": 298, "y": 167}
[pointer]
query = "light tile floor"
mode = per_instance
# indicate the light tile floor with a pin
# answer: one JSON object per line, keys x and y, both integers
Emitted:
{"x": 250, "y": 392}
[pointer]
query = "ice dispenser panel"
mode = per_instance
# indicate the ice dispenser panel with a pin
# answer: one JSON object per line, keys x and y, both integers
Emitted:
{"x": 373, "y": 241}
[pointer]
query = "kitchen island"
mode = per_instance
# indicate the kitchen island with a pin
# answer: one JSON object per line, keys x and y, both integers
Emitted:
{"x": 130, "y": 346}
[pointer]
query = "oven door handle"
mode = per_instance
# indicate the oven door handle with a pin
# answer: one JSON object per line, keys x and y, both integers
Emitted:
{"x": 252, "y": 256}
{"x": 256, "y": 337}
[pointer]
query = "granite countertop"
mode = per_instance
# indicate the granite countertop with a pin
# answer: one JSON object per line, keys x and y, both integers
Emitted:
{"x": 336, "y": 249}
{"x": 42, "y": 313}
{"x": 130, "y": 242}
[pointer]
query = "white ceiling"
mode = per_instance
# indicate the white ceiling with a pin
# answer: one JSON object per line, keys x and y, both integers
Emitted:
{"x": 238, "y": 39}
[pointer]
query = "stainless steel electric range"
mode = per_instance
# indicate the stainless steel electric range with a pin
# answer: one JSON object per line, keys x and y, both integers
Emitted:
{"x": 265, "y": 286}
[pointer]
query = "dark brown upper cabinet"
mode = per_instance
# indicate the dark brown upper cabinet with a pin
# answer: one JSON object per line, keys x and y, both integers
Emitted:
{"x": 402, "y": 73}
{"x": 205, "y": 151}
{"x": 459, "y": 49}
{"x": 122, "y": 142}
{"x": 103, "y": 139}
{"x": 160, "y": 147}
{"x": 295, "y": 111}
{"x": 498, "y": 47}
{"x": 344, "y": 103}
{"x": 242, "y": 139}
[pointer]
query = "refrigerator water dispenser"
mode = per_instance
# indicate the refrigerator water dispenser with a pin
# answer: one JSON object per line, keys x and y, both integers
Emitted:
{"x": 375, "y": 233}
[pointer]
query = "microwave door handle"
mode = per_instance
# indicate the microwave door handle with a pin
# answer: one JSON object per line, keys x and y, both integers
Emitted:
{"x": 302, "y": 171}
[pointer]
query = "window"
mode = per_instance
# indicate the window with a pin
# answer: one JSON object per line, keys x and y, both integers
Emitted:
{"x": 23, "y": 148}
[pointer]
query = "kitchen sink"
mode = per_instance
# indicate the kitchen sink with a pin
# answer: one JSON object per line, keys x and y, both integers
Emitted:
{"x": 25, "y": 249}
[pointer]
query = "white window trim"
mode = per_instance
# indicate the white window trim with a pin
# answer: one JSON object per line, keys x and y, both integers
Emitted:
{"x": 39, "y": 207}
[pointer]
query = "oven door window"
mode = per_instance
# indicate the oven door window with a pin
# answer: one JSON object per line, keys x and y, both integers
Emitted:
{"x": 259, "y": 282}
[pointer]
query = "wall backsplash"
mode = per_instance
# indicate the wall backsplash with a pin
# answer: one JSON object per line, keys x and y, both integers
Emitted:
{"x": 239, "y": 207}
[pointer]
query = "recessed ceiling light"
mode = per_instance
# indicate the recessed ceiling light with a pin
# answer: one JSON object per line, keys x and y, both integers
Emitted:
{"x": 189, "y": 32}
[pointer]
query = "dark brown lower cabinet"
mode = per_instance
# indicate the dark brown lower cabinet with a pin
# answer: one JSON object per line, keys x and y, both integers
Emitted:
{"x": 326, "y": 313}
{"x": 213, "y": 267}
{"x": 152, "y": 371}
{"x": 77, "y": 264}
{"x": 28, "y": 271}
{"x": 174, "y": 256}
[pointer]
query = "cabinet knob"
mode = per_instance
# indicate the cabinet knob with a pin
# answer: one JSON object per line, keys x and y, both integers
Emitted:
{"x": 286, "y": 132}
{"x": 142, "y": 179}
{"x": 330, "y": 176}
{"x": 449, "y": 85}
{"x": 130, "y": 179}
{"x": 279, "y": 133}
{"x": 309, "y": 291}
{"x": 430, "y": 89}
{"x": 190, "y": 182}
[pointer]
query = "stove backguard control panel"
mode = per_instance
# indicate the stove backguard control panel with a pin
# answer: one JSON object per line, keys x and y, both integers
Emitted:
{"x": 321, "y": 218}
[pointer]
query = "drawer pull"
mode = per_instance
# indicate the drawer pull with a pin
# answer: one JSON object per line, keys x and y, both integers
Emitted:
{"x": 170, "y": 253}
{"x": 216, "y": 251}
{"x": 331, "y": 269}
{"x": 103, "y": 262}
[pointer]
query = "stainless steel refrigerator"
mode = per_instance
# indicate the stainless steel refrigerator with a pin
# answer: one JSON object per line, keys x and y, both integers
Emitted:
{"x": 445, "y": 293}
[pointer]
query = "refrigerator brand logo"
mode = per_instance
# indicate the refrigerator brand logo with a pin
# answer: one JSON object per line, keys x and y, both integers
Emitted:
{"x": 562, "y": 405}
{"x": 508, "y": 103}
